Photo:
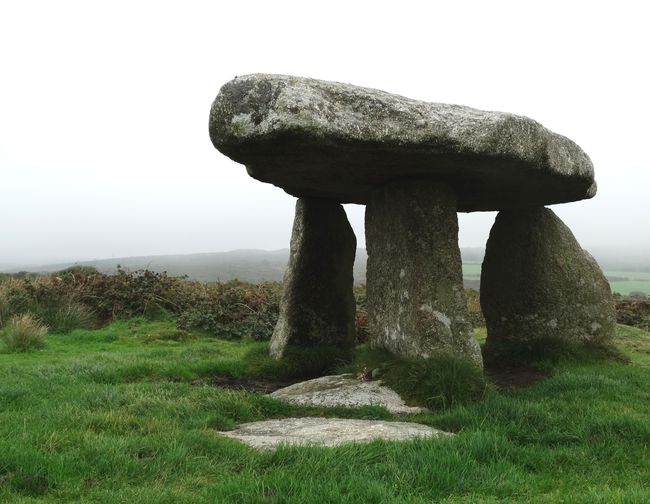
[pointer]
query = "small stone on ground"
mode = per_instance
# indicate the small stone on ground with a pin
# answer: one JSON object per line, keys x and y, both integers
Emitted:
{"x": 327, "y": 432}
{"x": 345, "y": 391}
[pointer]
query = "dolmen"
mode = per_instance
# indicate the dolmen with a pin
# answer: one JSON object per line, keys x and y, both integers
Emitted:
{"x": 415, "y": 165}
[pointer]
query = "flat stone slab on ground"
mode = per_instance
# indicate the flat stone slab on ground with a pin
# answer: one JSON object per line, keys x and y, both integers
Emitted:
{"x": 327, "y": 432}
{"x": 344, "y": 390}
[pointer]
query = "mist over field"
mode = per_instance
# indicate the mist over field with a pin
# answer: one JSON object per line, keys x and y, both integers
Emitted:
{"x": 110, "y": 156}
{"x": 627, "y": 271}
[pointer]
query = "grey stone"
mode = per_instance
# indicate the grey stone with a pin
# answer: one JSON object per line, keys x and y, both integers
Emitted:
{"x": 538, "y": 283}
{"x": 326, "y": 139}
{"x": 415, "y": 299}
{"x": 318, "y": 306}
{"x": 346, "y": 391}
{"x": 328, "y": 432}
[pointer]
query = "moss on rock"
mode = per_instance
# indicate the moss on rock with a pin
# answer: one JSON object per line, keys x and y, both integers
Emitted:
{"x": 537, "y": 283}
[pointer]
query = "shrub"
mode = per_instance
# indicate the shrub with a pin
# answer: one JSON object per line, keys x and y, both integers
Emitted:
{"x": 23, "y": 332}
{"x": 48, "y": 298}
{"x": 633, "y": 312}
{"x": 233, "y": 310}
{"x": 474, "y": 308}
{"x": 361, "y": 323}
{"x": 5, "y": 304}
{"x": 361, "y": 316}
{"x": 128, "y": 293}
{"x": 82, "y": 297}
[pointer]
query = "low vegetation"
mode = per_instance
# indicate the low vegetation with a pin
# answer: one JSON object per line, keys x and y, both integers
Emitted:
{"x": 436, "y": 383}
{"x": 127, "y": 413}
{"x": 124, "y": 401}
{"x": 22, "y": 333}
{"x": 634, "y": 311}
{"x": 81, "y": 297}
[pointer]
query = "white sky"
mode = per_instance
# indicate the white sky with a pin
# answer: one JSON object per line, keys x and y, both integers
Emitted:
{"x": 104, "y": 147}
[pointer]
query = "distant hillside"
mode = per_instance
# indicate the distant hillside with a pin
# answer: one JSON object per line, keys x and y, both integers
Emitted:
{"x": 261, "y": 265}
{"x": 247, "y": 265}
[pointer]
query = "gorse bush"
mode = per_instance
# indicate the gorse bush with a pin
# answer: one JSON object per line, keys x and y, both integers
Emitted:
{"x": 361, "y": 316}
{"x": 128, "y": 294}
{"x": 81, "y": 297}
{"x": 49, "y": 299}
{"x": 233, "y": 310}
{"x": 633, "y": 312}
{"x": 22, "y": 333}
{"x": 474, "y": 308}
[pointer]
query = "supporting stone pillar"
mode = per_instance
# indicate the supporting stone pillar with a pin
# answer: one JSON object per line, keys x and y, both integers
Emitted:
{"x": 415, "y": 299}
{"x": 537, "y": 283}
{"x": 318, "y": 307}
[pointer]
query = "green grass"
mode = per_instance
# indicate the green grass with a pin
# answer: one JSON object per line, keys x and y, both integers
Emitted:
{"x": 435, "y": 383}
{"x": 630, "y": 275}
{"x": 625, "y": 287}
{"x": 635, "y": 280}
{"x": 472, "y": 270}
{"x": 111, "y": 416}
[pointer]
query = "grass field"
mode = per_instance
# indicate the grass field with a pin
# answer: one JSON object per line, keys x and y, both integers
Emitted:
{"x": 112, "y": 416}
{"x": 472, "y": 270}
{"x": 633, "y": 280}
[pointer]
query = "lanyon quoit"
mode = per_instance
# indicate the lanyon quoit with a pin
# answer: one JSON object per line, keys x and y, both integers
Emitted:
{"x": 415, "y": 165}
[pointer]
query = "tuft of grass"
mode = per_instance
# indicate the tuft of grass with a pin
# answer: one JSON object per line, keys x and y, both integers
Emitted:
{"x": 23, "y": 332}
{"x": 69, "y": 316}
{"x": 439, "y": 382}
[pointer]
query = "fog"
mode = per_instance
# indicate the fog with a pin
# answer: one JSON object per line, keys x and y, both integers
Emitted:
{"x": 104, "y": 148}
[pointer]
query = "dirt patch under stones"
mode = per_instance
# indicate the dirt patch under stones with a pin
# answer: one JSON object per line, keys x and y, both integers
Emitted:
{"x": 503, "y": 377}
{"x": 246, "y": 384}
{"x": 516, "y": 377}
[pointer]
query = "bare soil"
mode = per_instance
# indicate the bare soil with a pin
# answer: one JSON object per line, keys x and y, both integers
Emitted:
{"x": 516, "y": 377}
{"x": 246, "y": 384}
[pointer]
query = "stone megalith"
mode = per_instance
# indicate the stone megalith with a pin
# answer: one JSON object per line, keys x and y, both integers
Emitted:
{"x": 318, "y": 306}
{"x": 348, "y": 144}
{"x": 330, "y": 140}
{"x": 415, "y": 299}
{"x": 538, "y": 283}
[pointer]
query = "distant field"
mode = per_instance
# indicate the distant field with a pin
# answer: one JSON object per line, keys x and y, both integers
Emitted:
{"x": 472, "y": 270}
{"x": 622, "y": 282}
{"x": 641, "y": 276}
{"x": 625, "y": 287}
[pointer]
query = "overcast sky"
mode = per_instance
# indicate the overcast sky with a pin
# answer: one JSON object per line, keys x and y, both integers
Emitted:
{"x": 104, "y": 147}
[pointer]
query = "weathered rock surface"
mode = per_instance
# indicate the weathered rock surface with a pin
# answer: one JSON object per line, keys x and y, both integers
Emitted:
{"x": 326, "y": 139}
{"x": 317, "y": 306}
{"x": 537, "y": 282}
{"x": 346, "y": 391}
{"x": 269, "y": 434}
{"x": 415, "y": 299}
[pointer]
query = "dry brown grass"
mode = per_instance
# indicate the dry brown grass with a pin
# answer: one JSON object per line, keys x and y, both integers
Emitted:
{"x": 23, "y": 332}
